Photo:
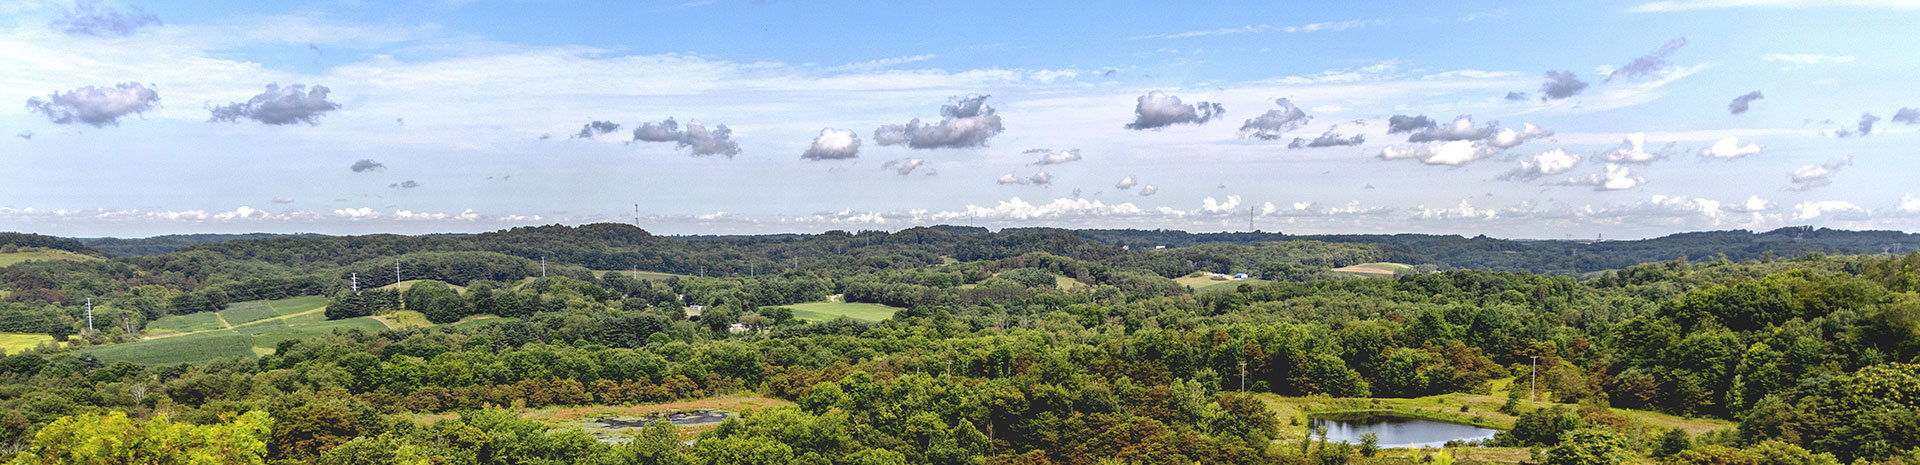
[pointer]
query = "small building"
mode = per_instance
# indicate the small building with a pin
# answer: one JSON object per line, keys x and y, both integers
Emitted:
{"x": 736, "y": 328}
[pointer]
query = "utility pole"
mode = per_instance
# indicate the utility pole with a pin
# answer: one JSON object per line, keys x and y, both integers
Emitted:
{"x": 396, "y": 274}
{"x": 543, "y": 266}
{"x": 636, "y": 215}
{"x": 1243, "y": 377}
{"x": 356, "y": 282}
{"x": 1250, "y": 216}
{"x": 1536, "y": 378}
{"x": 89, "y": 314}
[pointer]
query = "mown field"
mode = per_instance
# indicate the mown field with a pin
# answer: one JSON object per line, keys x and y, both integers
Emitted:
{"x": 251, "y": 329}
{"x": 34, "y": 253}
{"x": 1201, "y": 282}
{"x": 13, "y": 343}
{"x": 824, "y": 311}
{"x": 1381, "y": 269}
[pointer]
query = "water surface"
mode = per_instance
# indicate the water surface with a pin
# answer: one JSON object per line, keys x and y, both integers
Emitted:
{"x": 1395, "y": 431}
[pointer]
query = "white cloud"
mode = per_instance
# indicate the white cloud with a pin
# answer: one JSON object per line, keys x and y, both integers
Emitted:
{"x": 1730, "y": 148}
{"x": 1828, "y": 208}
{"x": 1453, "y": 153}
{"x": 1909, "y": 203}
{"x": 1313, "y": 27}
{"x": 1617, "y": 177}
{"x": 1125, "y": 183}
{"x": 1811, "y": 177}
{"x": 834, "y": 144}
{"x": 1757, "y": 204}
{"x": 1037, "y": 179}
{"x": 1634, "y": 150}
{"x": 1546, "y": 163}
{"x": 1055, "y": 157}
{"x": 1149, "y": 190}
{"x": 1508, "y": 138}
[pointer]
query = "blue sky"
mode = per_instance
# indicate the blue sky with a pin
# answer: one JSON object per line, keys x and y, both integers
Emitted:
{"x": 144, "y": 118}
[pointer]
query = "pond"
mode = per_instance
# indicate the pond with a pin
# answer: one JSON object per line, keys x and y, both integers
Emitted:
{"x": 609, "y": 428}
{"x": 1397, "y": 431}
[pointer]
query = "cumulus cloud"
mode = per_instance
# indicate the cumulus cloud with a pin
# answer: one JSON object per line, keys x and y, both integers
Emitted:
{"x": 964, "y": 122}
{"x": 1403, "y": 123}
{"x": 1270, "y": 125}
{"x": 1328, "y": 139}
{"x": 1810, "y": 210}
{"x": 1546, "y": 163}
{"x": 408, "y": 184}
{"x": 89, "y": 18}
{"x": 97, "y": 106}
{"x": 1615, "y": 178}
{"x": 1037, "y": 179}
{"x": 1508, "y": 138}
{"x": 1149, "y": 190}
{"x": 1865, "y": 127}
{"x": 1453, "y": 153}
{"x": 904, "y": 166}
{"x": 1909, "y": 203}
{"x": 1907, "y": 116}
{"x": 1647, "y": 64}
{"x": 1125, "y": 183}
{"x": 365, "y": 165}
{"x": 1739, "y": 104}
{"x": 1811, "y": 177}
{"x": 665, "y": 131}
{"x": 1055, "y": 157}
{"x": 1634, "y": 150}
{"x": 279, "y": 106}
{"x": 596, "y": 128}
{"x": 834, "y": 144}
{"x": 1559, "y": 85}
{"x": 1756, "y": 204}
{"x": 1158, "y": 110}
{"x": 1461, "y": 129}
{"x": 1730, "y": 148}
{"x": 1516, "y": 96}
{"x": 703, "y": 141}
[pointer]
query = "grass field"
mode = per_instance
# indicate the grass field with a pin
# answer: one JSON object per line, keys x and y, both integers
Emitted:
{"x": 1380, "y": 269}
{"x": 13, "y": 343}
{"x": 255, "y": 310}
{"x": 404, "y": 319}
{"x": 189, "y": 348}
{"x": 1202, "y": 282}
{"x": 824, "y": 311}
{"x": 36, "y": 253}
{"x": 191, "y": 322}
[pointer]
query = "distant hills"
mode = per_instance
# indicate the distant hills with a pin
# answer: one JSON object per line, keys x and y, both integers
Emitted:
{"x": 609, "y": 245}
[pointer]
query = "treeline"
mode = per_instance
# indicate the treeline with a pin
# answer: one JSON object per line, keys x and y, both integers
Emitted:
{"x": 1816, "y": 357}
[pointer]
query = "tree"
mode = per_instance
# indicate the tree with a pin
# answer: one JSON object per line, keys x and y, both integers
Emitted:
{"x": 1589, "y": 446}
{"x": 113, "y": 439}
{"x": 1672, "y": 442}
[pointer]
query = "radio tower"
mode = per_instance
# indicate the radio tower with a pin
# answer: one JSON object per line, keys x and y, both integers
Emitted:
{"x": 396, "y": 273}
{"x": 89, "y": 314}
{"x": 543, "y": 266}
{"x": 356, "y": 282}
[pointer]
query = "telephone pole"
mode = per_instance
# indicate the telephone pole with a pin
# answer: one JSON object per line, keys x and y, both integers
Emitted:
{"x": 356, "y": 281}
{"x": 543, "y": 266}
{"x": 89, "y": 314}
{"x": 1535, "y": 374}
{"x": 396, "y": 274}
{"x": 1243, "y": 377}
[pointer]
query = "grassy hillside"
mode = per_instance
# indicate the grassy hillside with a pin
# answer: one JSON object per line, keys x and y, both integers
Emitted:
{"x": 13, "y": 343}
{"x": 1383, "y": 270}
{"x": 823, "y": 311}
{"x": 245, "y": 329}
{"x": 36, "y": 253}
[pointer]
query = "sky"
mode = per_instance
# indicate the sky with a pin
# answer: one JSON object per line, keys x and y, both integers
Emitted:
{"x": 1546, "y": 120}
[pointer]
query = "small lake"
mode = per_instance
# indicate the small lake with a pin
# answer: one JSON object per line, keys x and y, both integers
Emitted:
{"x": 609, "y": 428}
{"x": 1394, "y": 431}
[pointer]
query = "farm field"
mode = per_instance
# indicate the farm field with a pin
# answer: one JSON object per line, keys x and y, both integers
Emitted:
{"x": 244, "y": 329}
{"x": 191, "y": 322}
{"x": 1374, "y": 269}
{"x": 408, "y": 284}
{"x": 13, "y": 343}
{"x": 824, "y": 311}
{"x": 34, "y": 253}
{"x": 1202, "y": 282}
